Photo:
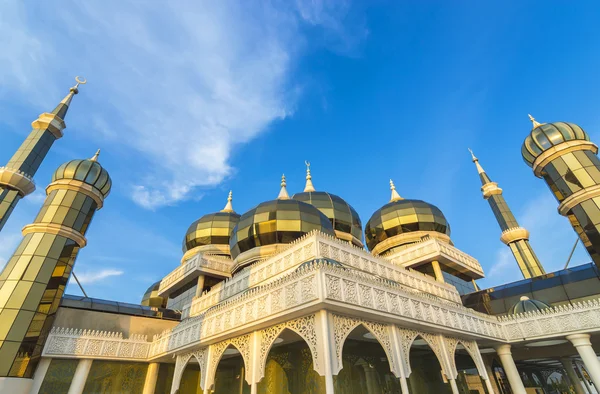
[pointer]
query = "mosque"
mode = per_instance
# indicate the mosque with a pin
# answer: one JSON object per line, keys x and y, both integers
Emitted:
{"x": 298, "y": 296}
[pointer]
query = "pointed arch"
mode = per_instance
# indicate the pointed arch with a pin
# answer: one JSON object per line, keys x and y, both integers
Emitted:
{"x": 182, "y": 361}
{"x": 434, "y": 343}
{"x": 344, "y": 325}
{"x": 216, "y": 351}
{"x": 303, "y": 327}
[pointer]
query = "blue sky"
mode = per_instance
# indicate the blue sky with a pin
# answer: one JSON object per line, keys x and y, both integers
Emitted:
{"x": 188, "y": 101}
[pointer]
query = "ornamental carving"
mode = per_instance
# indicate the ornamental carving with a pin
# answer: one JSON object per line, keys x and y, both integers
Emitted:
{"x": 242, "y": 344}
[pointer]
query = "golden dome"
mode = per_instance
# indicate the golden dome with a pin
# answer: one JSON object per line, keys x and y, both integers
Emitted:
{"x": 213, "y": 229}
{"x": 272, "y": 223}
{"x": 88, "y": 171}
{"x": 402, "y": 222}
{"x": 151, "y": 297}
{"x": 546, "y": 135}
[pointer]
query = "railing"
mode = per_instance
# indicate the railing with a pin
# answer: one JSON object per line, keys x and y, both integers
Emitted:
{"x": 196, "y": 263}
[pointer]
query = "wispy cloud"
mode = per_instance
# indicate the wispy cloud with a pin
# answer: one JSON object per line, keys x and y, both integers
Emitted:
{"x": 88, "y": 277}
{"x": 181, "y": 83}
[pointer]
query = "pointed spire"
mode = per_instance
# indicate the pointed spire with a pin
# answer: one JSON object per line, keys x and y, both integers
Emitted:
{"x": 309, "y": 185}
{"x": 283, "y": 194}
{"x": 228, "y": 206}
{"x": 95, "y": 157}
{"x": 482, "y": 175}
{"x": 395, "y": 195}
{"x": 535, "y": 122}
{"x": 63, "y": 106}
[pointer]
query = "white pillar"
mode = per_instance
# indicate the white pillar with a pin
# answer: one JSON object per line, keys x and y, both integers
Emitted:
{"x": 585, "y": 381}
{"x": 81, "y": 373}
{"x": 516, "y": 384}
{"x": 453, "y": 386}
{"x": 40, "y": 374}
{"x": 588, "y": 355}
{"x": 488, "y": 384}
{"x": 151, "y": 376}
{"x": 397, "y": 341}
{"x": 568, "y": 365}
{"x": 200, "y": 286}
{"x": 328, "y": 349}
{"x": 255, "y": 360}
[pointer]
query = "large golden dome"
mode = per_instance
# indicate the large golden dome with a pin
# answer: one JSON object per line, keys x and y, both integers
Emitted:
{"x": 344, "y": 219}
{"x": 547, "y": 135}
{"x": 272, "y": 223}
{"x": 88, "y": 171}
{"x": 402, "y": 222}
{"x": 212, "y": 231}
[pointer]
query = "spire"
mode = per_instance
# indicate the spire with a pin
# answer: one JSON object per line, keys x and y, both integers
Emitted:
{"x": 228, "y": 206}
{"x": 309, "y": 185}
{"x": 283, "y": 194}
{"x": 95, "y": 157}
{"x": 63, "y": 106}
{"x": 395, "y": 195}
{"x": 535, "y": 122}
{"x": 482, "y": 175}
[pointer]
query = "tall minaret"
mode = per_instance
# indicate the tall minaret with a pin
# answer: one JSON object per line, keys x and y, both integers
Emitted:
{"x": 562, "y": 154}
{"x": 34, "y": 279}
{"x": 513, "y": 235}
{"x": 16, "y": 177}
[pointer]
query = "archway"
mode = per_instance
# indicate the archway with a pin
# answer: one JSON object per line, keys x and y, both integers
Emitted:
{"x": 468, "y": 380}
{"x": 426, "y": 371}
{"x": 230, "y": 375}
{"x": 289, "y": 367}
{"x": 365, "y": 366}
{"x": 186, "y": 377}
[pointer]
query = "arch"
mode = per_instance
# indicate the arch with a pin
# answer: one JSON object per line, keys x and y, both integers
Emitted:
{"x": 216, "y": 351}
{"x": 344, "y": 325}
{"x": 366, "y": 363}
{"x": 423, "y": 374}
{"x": 433, "y": 341}
{"x": 303, "y": 327}
{"x": 287, "y": 365}
{"x": 471, "y": 348}
{"x": 182, "y": 361}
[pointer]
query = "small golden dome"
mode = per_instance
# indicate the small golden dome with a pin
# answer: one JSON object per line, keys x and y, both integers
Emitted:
{"x": 85, "y": 170}
{"x": 151, "y": 297}
{"x": 546, "y": 135}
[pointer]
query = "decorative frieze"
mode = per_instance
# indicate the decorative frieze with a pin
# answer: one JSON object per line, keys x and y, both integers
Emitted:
{"x": 202, "y": 263}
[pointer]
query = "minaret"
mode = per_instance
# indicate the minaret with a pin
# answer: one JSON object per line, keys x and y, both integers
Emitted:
{"x": 513, "y": 235}
{"x": 16, "y": 177}
{"x": 562, "y": 154}
{"x": 34, "y": 279}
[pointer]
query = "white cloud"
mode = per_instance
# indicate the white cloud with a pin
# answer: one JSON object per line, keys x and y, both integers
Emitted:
{"x": 182, "y": 83}
{"x": 88, "y": 277}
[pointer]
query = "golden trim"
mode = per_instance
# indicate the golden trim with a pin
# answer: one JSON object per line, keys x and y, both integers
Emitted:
{"x": 348, "y": 237}
{"x": 214, "y": 249}
{"x": 50, "y": 122}
{"x": 490, "y": 189}
{"x": 405, "y": 238}
{"x": 577, "y": 198}
{"x": 558, "y": 150}
{"x": 514, "y": 234}
{"x": 17, "y": 180}
{"x": 78, "y": 186}
{"x": 52, "y": 228}
{"x": 257, "y": 253}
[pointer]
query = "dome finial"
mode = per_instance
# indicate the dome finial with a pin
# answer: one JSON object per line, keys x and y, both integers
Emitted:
{"x": 309, "y": 185}
{"x": 476, "y": 161}
{"x": 395, "y": 195}
{"x": 535, "y": 122}
{"x": 228, "y": 206}
{"x": 75, "y": 89}
{"x": 283, "y": 194}
{"x": 95, "y": 157}
{"x": 472, "y": 155}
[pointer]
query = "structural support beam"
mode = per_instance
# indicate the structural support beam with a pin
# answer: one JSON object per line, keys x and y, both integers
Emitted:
{"x": 151, "y": 377}
{"x": 328, "y": 349}
{"x": 588, "y": 355}
{"x": 516, "y": 384}
{"x": 568, "y": 365}
{"x": 81, "y": 374}
{"x": 40, "y": 374}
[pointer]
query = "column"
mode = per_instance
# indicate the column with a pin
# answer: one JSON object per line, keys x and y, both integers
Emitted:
{"x": 516, "y": 384}
{"x": 588, "y": 355}
{"x": 151, "y": 376}
{"x": 328, "y": 350}
{"x": 568, "y": 365}
{"x": 453, "y": 386}
{"x": 40, "y": 374}
{"x": 585, "y": 381}
{"x": 81, "y": 374}
{"x": 490, "y": 382}
{"x": 255, "y": 360}
{"x": 200, "y": 286}
{"x": 437, "y": 271}
{"x": 400, "y": 359}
